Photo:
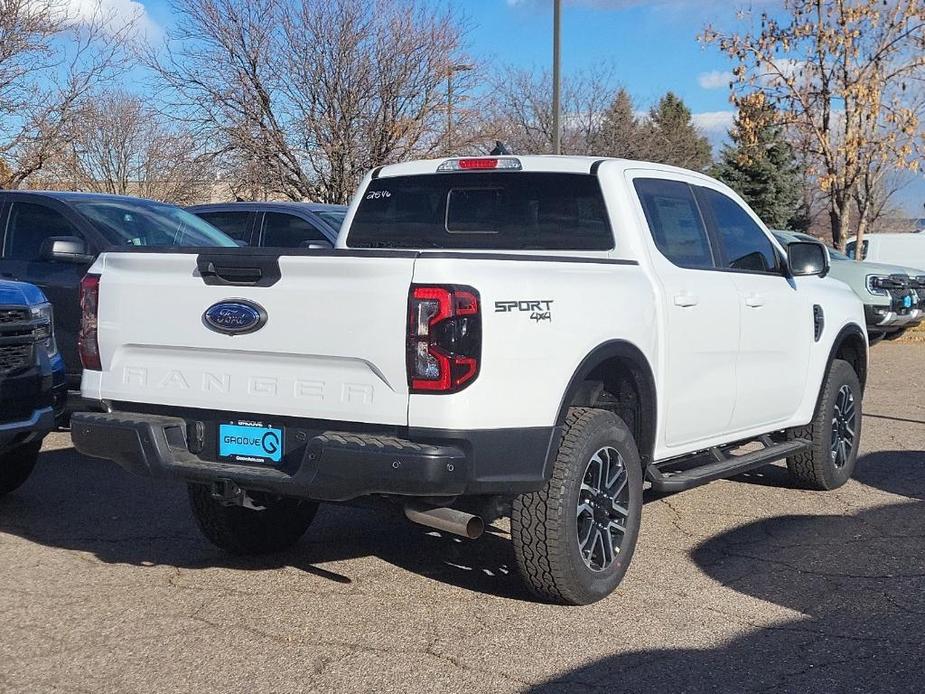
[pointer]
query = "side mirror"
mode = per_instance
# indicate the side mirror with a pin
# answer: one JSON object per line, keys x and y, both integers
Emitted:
{"x": 65, "y": 249}
{"x": 316, "y": 245}
{"x": 807, "y": 258}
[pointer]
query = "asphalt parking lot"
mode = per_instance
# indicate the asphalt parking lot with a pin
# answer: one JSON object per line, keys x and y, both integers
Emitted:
{"x": 106, "y": 585}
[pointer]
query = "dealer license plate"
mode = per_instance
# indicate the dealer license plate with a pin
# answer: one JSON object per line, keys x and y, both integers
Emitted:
{"x": 250, "y": 442}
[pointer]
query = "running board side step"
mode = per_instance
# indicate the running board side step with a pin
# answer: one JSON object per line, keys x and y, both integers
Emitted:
{"x": 724, "y": 466}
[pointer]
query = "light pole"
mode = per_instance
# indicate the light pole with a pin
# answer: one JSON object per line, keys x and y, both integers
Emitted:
{"x": 452, "y": 70}
{"x": 556, "y": 31}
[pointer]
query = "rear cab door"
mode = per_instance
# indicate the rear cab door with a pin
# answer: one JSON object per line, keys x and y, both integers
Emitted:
{"x": 700, "y": 311}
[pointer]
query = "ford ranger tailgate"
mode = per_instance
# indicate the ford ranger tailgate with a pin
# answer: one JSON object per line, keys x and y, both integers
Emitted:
{"x": 311, "y": 355}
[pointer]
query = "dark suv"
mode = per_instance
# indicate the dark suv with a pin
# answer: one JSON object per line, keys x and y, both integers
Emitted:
{"x": 276, "y": 224}
{"x": 50, "y": 239}
{"x": 31, "y": 380}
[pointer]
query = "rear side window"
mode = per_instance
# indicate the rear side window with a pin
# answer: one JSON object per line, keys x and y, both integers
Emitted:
{"x": 744, "y": 245}
{"x": 333, "y": 217}
{"x": 674, "y": 221}
{"x": 234, "y": 224}
{"x": 281, "y": 230}
{"x": 494, "y": 210}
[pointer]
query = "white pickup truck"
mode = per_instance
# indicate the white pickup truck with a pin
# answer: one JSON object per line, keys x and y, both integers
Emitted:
{"x": 531, "y": 337}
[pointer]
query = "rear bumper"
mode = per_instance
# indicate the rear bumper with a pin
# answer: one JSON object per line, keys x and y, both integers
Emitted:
{"x": 331, "y": 464}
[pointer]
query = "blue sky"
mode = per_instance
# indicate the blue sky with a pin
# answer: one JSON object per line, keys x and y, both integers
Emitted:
{"x": 651, "y": 44}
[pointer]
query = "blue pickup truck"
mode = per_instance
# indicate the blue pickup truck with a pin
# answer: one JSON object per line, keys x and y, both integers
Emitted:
{"x": 32, "y": 380}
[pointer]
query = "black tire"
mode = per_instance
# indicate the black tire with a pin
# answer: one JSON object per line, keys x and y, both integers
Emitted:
{"x": 240, "y": 530}
{"x": 819, "y": 466}
{"x": 16, "y": 466}
{"x": 545, "y": 525}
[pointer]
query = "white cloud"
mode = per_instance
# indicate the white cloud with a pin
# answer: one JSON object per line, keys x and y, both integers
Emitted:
{"x": 714, "y": 125}
{"x": 715, "y": 79}
{"x": 116, "y": 13}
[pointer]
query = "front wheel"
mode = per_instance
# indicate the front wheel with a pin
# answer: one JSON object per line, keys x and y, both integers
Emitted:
{"x": 239, "y": 530}
{"x": 834, "y": 434}
{"x": 16, "y": 466}
{"x": 574, "y": 538}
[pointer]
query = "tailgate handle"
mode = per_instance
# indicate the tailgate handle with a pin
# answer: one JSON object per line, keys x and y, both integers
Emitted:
{"x": 233, "y": 275}
{"x": 239, "y": 269}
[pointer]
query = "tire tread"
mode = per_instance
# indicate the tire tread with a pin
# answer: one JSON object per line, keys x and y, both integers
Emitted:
{"x": 808, "y": 468}
{"x": 542, "y": 557}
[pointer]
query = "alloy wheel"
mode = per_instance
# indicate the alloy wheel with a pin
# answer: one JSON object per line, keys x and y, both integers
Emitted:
{"x": 844, "y": 426}
{"x": 603, "y": 509}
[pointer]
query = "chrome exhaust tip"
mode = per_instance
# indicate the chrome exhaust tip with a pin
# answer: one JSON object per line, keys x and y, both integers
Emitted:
{"x": 450, "y": 520}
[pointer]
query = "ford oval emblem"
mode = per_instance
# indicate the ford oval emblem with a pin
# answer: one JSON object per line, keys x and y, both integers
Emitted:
{"x": 234, "y": 317}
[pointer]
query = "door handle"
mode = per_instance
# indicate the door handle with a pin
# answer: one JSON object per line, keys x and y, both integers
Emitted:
{"x": 685, "y": 300}
{"x": 754, "y": 301}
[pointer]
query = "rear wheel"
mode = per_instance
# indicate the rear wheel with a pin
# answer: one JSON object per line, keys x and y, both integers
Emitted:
{"x": 834, "y": 434}
{"x": 16, "y": 466}
{"x": 574, "y": 538}
{"x": 240, "y": 530}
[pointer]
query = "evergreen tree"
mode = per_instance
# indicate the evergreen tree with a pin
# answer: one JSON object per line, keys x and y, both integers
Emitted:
{"x": 672, "y": 138}
{"x": 759, "y": 164}
{"x": 619, "y": 133}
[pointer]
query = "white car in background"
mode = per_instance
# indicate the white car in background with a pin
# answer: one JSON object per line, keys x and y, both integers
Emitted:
{"x": 894, "y": 249}
{"x": 893, "y": 295}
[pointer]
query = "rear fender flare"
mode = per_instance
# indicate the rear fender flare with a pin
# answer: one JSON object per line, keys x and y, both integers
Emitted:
{"x": 645, "y": 382}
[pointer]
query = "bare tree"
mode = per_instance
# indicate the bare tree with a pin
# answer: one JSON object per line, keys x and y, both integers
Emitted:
{"x": 519, "y": 109}
{"x": 50, "y": 61}
{"x": 314, "y": 93}
{"x": 873, "y": 197}
{"x": 847, "y": 76}
{"x": 120, "y": 145}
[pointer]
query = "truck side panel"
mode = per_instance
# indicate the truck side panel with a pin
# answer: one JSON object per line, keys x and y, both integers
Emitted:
{"x": 540, "y": 318}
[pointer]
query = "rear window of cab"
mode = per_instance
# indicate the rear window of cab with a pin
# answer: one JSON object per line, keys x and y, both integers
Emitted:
{"x": 483, "y": 210}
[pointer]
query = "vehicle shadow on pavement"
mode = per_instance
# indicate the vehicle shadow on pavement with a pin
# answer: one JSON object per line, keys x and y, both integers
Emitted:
{"x": 858, "y": 580}
{"x": 88, "y": 505}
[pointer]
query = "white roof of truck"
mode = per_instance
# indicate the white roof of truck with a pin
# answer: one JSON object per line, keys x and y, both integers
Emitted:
{"x": 530, "y": 162}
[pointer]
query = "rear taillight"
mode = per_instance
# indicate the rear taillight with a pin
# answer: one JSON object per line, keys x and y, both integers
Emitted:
{"x": 88, "y": 345}
{"x": 444, "y": 338}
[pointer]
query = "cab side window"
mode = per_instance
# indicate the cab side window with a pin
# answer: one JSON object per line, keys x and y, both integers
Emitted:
{"x": 282, "y": 230}
{"x": 234, "y": 224}
{"x": 29, "y": 224}
{"x": 743, "y": 244}
{"x": 675, "y": 222}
